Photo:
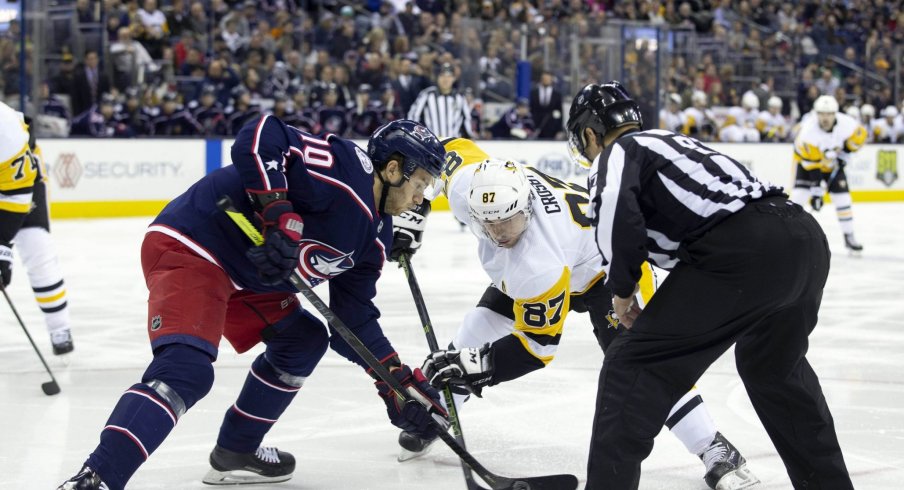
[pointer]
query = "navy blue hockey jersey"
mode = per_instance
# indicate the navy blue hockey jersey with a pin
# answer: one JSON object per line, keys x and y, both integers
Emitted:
{"x": 330, "y": 184}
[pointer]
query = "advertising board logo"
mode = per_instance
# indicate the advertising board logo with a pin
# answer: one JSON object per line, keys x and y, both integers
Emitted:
{"x": 556, "y": 165}
{"x": 887, "y": 166}
{"x": 67, "y": 170}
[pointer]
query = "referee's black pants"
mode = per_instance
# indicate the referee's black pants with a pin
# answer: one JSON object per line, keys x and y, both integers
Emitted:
{"x": 754, "y": 280}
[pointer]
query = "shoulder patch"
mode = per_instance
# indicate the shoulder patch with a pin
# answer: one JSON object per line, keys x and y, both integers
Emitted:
{"x": 365, "y": 160}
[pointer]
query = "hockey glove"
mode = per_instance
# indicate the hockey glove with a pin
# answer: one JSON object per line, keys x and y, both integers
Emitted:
{"x": 816, "y": 202}
{"x": 424, "y": 407}
{"x": 6, "y": 264}
{"x": 470, "y": 368}
{"x": 278, "y": 256}
{"x": 407, "y": 230}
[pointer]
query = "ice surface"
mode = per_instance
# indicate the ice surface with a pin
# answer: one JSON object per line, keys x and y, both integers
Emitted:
{"x": 337, "y": 427}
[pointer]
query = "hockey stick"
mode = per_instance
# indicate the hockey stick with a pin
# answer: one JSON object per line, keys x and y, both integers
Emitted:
{"x": 51, "y": 387}
{"x": 405, "y": 264}
{"x": 550, "y": 482}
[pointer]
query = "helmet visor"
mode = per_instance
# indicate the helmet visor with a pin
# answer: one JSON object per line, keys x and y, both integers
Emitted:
{"x": 504, "y": 233}
{"x": 576, "y": 150}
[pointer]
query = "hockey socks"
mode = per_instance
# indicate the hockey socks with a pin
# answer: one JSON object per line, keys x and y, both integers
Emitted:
{"x": 265, "y": 396}
{"x": 178, "y": 377}
{"x": 691, "y": 423}
{"x": 138, "y": 425}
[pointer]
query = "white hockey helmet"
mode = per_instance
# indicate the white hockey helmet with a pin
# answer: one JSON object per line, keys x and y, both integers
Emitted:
{"x": 775, "y": 102}
{"x": 825, "y": 103}
{"x": 750, "y": 101}
{"x": 853, "y": 111}
{"x": 499, "y": 203}
{"x": 890, "y": 111}
{"x": 698, "y": 97}
{"x": 675, "y": 98}
{"x": 868, "y": 110}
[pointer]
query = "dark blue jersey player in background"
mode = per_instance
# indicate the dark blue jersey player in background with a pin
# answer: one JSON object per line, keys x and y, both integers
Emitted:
{"x": 324, "y": 206}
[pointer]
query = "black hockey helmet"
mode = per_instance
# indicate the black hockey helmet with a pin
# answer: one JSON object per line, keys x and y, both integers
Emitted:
{"x": 602, "y": 108}
{"x": 420, "y": 147}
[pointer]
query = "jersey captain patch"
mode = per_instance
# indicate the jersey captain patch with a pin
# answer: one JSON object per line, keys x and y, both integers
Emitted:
{"x": 319, "y": 262}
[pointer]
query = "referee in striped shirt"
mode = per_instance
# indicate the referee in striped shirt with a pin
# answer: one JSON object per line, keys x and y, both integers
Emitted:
{"x": 747, "y": 268}
{"x": 442, "y": 109}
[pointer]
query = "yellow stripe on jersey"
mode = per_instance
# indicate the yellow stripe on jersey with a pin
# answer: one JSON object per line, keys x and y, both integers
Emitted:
{"x": 38, "y": 155}
{"x": 856, "y": 140}
{"x": 539, "y": 320}
{"x": 19, "y": 172}
{"x": 460, "y": 152}
{"x": 689, "y": 124}
{"x": 760, "y": 125}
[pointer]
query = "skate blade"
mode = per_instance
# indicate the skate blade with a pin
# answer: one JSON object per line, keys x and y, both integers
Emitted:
{"x": 406, "y": 455}
{"x": 240, "y": 477}
{"x": 738, "y": 479}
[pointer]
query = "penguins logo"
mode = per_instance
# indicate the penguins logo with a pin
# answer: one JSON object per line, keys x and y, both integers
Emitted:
{"x": 887, "y": 167}
{"x": 320, "y": 262}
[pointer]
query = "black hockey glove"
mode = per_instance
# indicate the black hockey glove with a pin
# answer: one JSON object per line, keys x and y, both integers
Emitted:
{"x": 6, "y": 264}
{"x": 816, "y": 202}
{"x": 416, "y": 414}
{"x": 470, "y": 368}
{"x": 278, "y": 256}
{"x": 407, "y": 230}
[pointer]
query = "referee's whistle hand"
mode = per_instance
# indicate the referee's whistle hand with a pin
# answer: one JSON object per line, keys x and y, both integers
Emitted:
{"x": 626, "y": 309}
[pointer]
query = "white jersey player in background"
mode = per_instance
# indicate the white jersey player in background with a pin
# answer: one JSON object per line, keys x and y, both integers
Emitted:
{"x": 889, "y": 128}
{"x": 771, "y": 124}
{"x": 25, "y": 225}
{"x": 671, "y": 117}
{"x": 740, "y": 125}
{"x": 823, "y": 146}
{"x": 699, "y": 119}
{"x": 538, "y": 248}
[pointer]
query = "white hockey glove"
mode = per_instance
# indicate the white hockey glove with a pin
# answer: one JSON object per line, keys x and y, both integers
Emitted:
{"x": 408, "y": 230}
{"x": 471, "y": 368}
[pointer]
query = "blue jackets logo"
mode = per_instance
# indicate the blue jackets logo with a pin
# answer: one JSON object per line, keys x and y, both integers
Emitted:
{"x": 320, "y": 262}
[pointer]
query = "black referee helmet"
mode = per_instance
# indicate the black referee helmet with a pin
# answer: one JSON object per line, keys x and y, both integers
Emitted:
{"x": 602, "y": 108}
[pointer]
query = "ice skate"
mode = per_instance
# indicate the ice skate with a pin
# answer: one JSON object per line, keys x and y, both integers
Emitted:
{"x": 726, "y": 469}
{"x": 851, "y": 243}
{"x": 413, "y": 446}
{"x": 266, "y": 465}
{"x": 62, "y": 341}
{"x": 86, "y": 479}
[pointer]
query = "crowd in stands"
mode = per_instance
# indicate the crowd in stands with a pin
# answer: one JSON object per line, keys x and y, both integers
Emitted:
{"x": 205, "y": 67}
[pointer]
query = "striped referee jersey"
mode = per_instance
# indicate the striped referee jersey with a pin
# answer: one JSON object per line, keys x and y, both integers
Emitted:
{"x": 445, "y": 115}
{"x": 654, "y": 190}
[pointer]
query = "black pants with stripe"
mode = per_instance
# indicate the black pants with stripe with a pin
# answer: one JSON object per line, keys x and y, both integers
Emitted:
{"x": 756, "y": 281}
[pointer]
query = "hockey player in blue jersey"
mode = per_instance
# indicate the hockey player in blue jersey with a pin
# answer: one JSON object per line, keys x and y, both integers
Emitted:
{"x": 324, "y": 206}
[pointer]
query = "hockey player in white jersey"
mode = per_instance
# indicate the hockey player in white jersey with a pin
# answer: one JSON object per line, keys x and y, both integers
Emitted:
{"x": 538, "y": 248}
{"x": 25, "y": 225}
{"x": 889, "y": 128}
{"x": 771, "y": 124}
{"x": 699, "y": 120}
{"x": 671, "y": 117}
{"x": 740, "y": 125}
{"x": 823, "y": 146}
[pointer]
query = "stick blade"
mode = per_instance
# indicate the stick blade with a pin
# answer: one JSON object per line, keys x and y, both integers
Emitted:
{"x": 549, "y": 482}
{"x": 51, "y": 388}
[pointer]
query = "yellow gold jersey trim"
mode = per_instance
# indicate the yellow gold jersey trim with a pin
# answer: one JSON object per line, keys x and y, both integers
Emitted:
{"x": 543, "y": 314}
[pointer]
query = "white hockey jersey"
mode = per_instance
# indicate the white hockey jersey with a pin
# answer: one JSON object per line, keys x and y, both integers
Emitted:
{"x": 772, "y": 127}
{"x": 555, "y": 258}
{"x": 18, "y": 167}
{"x": 815, "y": 148}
